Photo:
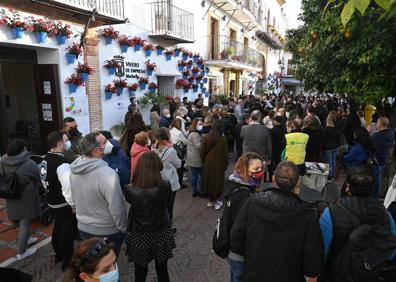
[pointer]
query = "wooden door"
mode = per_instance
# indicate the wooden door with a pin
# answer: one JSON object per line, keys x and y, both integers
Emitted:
{"x": 214, "y": 39}
{"x": 48, "y": 99}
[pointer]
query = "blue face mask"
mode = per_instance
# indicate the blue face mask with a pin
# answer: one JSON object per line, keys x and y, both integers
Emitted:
{"x": 68, "y": 145}
{"x": 112, "y": 276}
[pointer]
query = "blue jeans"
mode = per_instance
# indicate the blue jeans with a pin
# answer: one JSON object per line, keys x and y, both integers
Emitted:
{"x": 236, "y": 270}
{"x": 117, "y": 239}
{"x": 331, "y": 156}
{"x": 196, "y": 174}
{"x": 378, "y": 172}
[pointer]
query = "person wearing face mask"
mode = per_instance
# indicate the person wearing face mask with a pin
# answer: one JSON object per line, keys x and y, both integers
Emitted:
{"x": 193, "y": 158}
{"x": 70, "y": 127}
{"x": 97, "y": 194}
{"x": 65, "y": 225}
{"x": 166, "y": 119}
{"x": 117, "y": 159}
{"x": 27, "y": 206}
{"x": 94, "y": 261}
{"x": 139, "y": 147}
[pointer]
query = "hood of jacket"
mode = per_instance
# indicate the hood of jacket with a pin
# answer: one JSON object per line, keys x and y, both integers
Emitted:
{"x": 278, "y": 209}
{"x": 84, "y": 165}
{"x": 387, "y": 135}
{"x": 116, "y": 146}
{"x": 15, "y": 160}
{"x": 138, "y": 149}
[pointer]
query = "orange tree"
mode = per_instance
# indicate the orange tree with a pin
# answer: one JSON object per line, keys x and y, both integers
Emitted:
{"x": 355, "y": 57}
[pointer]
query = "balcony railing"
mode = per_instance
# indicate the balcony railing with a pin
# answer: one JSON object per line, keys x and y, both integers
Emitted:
{"x": 110, "y": 8}
{"x": 224, "y": 48}
{"x": 256, "y": 11}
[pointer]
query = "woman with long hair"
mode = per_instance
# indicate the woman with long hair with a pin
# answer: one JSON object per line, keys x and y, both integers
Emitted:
{"x": 193, "y": 158}
{"x": 94, "y": 260}
{"x": 134, "y": 125}
{"x": 150, "y": 236}
{"x": 214, "y": 154}
{"x": 168, "y": 155}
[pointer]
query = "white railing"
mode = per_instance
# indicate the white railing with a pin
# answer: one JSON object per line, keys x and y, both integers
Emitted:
{"x": 109, "y": 8}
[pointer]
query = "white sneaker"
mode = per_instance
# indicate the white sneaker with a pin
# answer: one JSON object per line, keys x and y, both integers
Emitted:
{"x": 32, "y": 240}
{"x": 210, "y": 204}
{"x": 218, "y": 205}
{"x": 26, "y": 254}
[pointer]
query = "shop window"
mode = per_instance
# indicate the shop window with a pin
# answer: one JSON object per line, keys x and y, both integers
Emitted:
{"x": 166, "y": 85}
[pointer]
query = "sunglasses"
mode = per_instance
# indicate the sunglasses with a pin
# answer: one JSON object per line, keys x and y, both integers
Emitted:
{"x": 95, "y": 249}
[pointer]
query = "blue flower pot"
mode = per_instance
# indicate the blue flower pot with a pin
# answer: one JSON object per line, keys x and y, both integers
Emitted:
{"x": 168, "y": 57}
{"x": 195, "y": 59}
{"x": 137, "y": 47}
{"x": 152, "y": 90}
{"x": 201, "y": 85}
{"x": 195, "y": 74}
{"x": 119, "y": 91}
{"x": 72, "y": 88}
{"x": 185, "y": 76}
{"x": 148, "y": 52}
{"x": 202, "y": 67}
{"x": 41, "y": 36}
{"x": 61, "y": 39}
{"x": 198, "y": 80}
{"x": 177, "y": 53}
{"x": 189, "y": 67}
{"x": 142, "y": 86}
{"x": 84, "y": 76}
{"x": 71, "y": 58}
{"x": 195, "y": 90}
{"x": 160, "y": 51}
{"x": 124, "y": 48}
{"x": 185, "y": 57}
{"x": 108, "y": 40}
{"x": 204, "y": 90}
{"x": 206, "y": 94}
{"x": 206, "y": 70}
{"x": 108, "y": 95}
{"x": 149, "y": 72}
{"x": 111, "y": 71}
{"x": 17, "y": 32}
{"x": 186, "y": 90}
{"x": 131, "y": 93}
{"x": 181, "y": 68}
{"x": 205, "y": 80}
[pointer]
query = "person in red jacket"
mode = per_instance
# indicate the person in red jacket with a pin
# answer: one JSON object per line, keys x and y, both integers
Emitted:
{"x": 139, "y": 147}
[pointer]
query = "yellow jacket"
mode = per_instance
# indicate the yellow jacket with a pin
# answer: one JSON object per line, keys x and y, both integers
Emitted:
{"x": 295, "y": 147}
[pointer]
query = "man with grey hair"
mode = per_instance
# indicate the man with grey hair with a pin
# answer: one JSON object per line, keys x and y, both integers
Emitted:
{"x": 256, "y": 137}
{"x": 96, "y": 192}
{"x": 277, "y": 234}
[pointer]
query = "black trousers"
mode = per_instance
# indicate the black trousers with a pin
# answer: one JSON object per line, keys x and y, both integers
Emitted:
{"x": 170, "y": 207}
{"x": 180, "y": 172}
{"x": 160, "y": 268}
{"x": 64, "y": 232}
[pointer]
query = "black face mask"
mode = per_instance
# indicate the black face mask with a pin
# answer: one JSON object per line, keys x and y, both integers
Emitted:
{"x": 73, "y": 132}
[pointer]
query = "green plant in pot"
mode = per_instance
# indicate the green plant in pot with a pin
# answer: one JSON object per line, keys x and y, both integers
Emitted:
{"x": 152, "y": 99}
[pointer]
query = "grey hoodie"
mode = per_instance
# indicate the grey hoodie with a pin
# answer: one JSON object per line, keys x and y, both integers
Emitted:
{"x": 98, "y": 198}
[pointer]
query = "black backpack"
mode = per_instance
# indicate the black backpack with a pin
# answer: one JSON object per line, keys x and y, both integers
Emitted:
{"x": 365, "y": 255}
{"x": 180, "y": 149}
{"x": 9, "y": 186}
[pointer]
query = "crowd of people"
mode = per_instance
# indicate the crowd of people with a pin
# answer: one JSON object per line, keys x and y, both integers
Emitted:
{"x": 108, "y": 192}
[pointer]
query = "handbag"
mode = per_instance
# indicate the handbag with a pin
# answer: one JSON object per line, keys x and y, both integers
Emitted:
{"x": 180, "y": 149}
{"x": 9, "y": 185}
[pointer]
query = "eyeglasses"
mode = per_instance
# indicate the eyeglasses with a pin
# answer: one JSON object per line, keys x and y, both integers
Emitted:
{"x": 95, "y": 249}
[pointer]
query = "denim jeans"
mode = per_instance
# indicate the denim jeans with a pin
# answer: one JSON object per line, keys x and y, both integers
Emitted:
{"x": 378, "y": 172}
{"x": 236, "y": 270}
{"x": 331, "y": 157}
{"x": 117, "y": 239}
{"x": 196, "y": 174}
{"x": 24, "y": 234}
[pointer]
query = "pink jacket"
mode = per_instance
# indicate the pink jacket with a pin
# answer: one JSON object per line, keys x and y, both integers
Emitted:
{"x": 136, "y": 151}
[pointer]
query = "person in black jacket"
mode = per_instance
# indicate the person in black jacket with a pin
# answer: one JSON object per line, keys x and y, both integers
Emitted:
{"x": 150, "y": 236}
{"x": 331, "y": 142}
{"x": 278, "y": 236}
{"x": 65, "y": 226}
{"x": 238, "y": 139}
{"x": 278, "y": 143}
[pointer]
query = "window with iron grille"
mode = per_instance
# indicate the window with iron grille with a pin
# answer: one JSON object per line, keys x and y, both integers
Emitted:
{"x": 166, "y": 86}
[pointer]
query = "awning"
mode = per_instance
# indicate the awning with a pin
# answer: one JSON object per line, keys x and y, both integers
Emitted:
{"x": 268, "y": 40}
{"x": 291, "y": 81}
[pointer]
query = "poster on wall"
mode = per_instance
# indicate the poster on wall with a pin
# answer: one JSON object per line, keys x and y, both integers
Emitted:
{"x": 47, "y": 87}
{"x": 47, "y": 112}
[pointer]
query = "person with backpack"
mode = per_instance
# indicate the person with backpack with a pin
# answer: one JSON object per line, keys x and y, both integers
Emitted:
{"x": 358, "y": 226}
{"x": 246, "y": 178}
{"x": 25, "y": 204}
{"x": 278, "y": 234}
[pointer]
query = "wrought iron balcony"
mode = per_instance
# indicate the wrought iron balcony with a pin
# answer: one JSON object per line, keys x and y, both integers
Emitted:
{"x": 223, "y": 48}
{"x": 108, "y": 8}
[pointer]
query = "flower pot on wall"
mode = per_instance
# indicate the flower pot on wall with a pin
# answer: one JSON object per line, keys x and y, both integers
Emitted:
{"x": 185, "y": 57}
{"x": 61, "y": 39}
{"x": 119, "y": 91}
{"x": 195, "y": 59}
{"x": 205, "y": 80}
{"x": 201, "y": 85}
{"x": 152, "y": 90}
{"x": 108, "y": 40}
{"x": 142, "y": 86}
{"x": 108, "y": 95}
{"x": 132, "y": 93}
{"x": 177, "y": 53}
{"x": 148, "y": 53}
{"x": 168, "y": 57}
{"x": 72, "y": 88}
{"x": 17, "y": 32}
{"x": 150, "y": 72}
{"x": 137, "y": 47}
{"x": 160, "y": 51}
{"x": 111, "y": 71}
{"x": 189, "y": 67}
{"x": 186, "y": 90}
{"x": 185, "y": 76}
{"x": 84, "y": 76}
{"x": 181, "y": 68}
{"x": 124, "y": 48}
{"x": 195, "y": 90}
{"x": 41, "y": 36}
{"x": 71, "y": 58}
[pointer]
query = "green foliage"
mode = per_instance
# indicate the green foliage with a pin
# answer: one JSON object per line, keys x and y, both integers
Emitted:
{"x": 358, "y": 60}
{"x": 152, "y": 99}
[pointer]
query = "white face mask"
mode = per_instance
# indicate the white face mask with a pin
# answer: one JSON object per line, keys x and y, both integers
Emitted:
{"x": 148, "y": 142}
{"x": 168, "y": 115}
{"x": 199, "y": 127}
{"x": 108, "y": 148}
{"x": 68, "y": 145}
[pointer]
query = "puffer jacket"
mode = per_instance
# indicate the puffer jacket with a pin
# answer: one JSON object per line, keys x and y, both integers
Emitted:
{"x": 194, "y": 141}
